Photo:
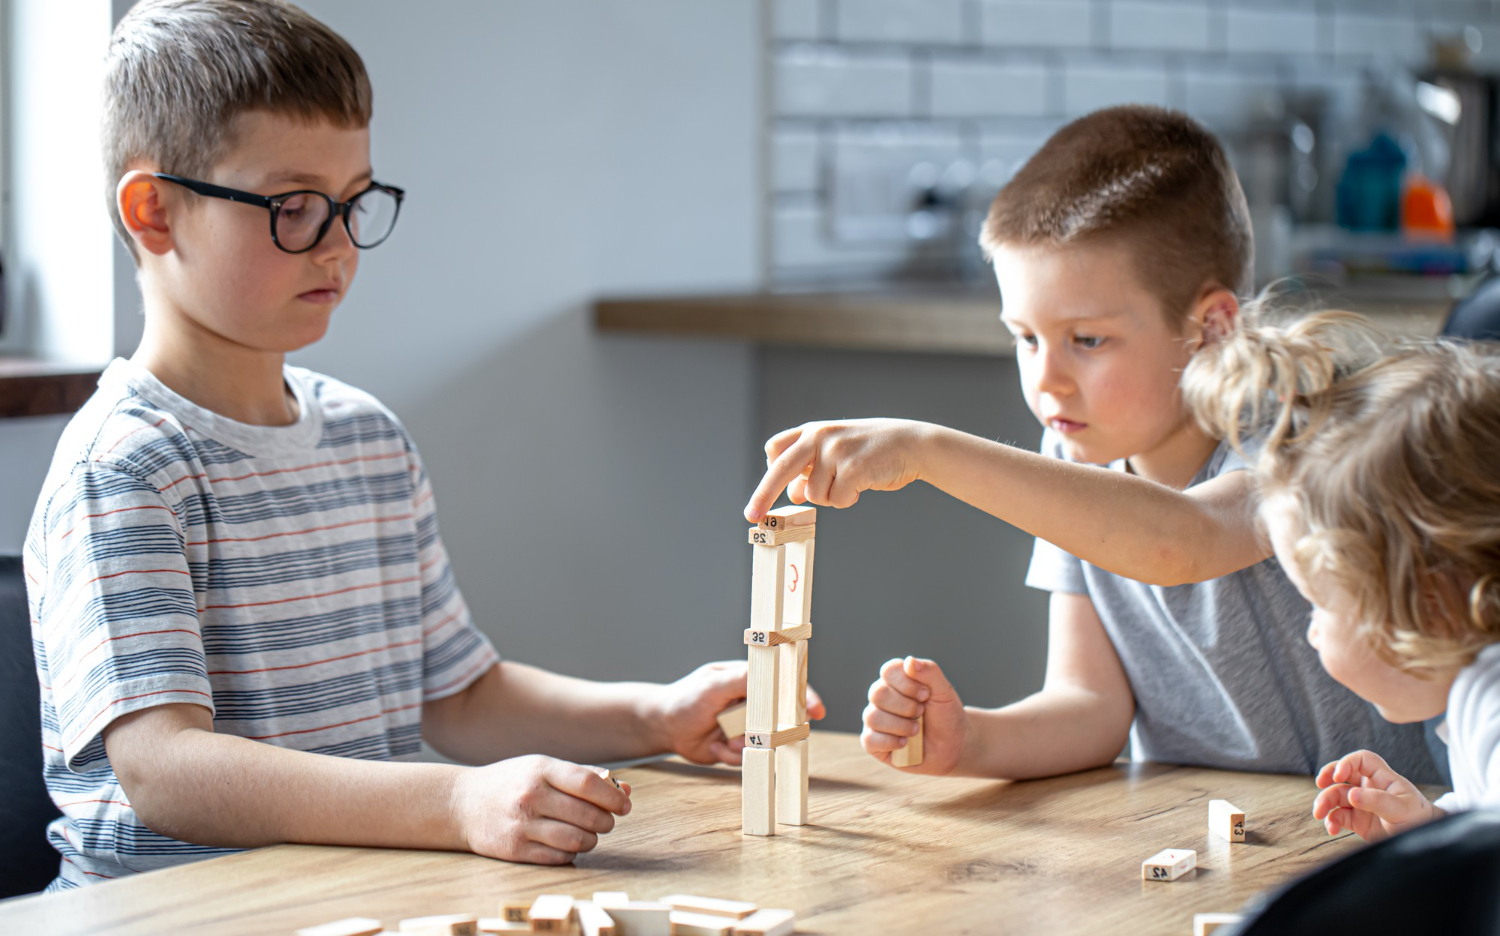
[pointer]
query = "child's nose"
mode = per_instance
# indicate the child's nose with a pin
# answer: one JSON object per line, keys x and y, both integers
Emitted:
{"x": 1052, "y": 376}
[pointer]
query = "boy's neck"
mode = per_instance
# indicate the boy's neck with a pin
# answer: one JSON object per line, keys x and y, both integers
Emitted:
{"x": 1178, "y": 458}
{"x": 241, "y": 383}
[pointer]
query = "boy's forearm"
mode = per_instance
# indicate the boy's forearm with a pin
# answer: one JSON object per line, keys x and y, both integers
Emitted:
{"x": 216, "y": 789}
{"x": 518, "y": 709}
{"x": 1045, "y": 734}
{"x": 1121, "y": 523}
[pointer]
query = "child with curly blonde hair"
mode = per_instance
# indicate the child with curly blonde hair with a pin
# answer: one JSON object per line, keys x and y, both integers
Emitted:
{"x": 1381, "y": 495}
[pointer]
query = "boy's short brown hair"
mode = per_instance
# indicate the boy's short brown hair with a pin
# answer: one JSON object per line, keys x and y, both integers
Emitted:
{"x": 179, "y": 72}
{"x": 1152, "y": 179}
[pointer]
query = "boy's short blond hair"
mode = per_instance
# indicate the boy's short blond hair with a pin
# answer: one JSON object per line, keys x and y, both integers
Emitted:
{"x": 1152, "y": 180}
{"x": 179, "y": 72}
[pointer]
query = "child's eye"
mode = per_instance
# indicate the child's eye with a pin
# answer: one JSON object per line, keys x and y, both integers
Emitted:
{"x": 1027, "y": 340}
{"x": 1088, "y": 342}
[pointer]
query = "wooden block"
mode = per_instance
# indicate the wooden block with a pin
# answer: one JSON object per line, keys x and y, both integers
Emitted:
{"x": 713, "y": 906}
{"x": 606, "y": 774}
{"x": 552, "y": 913}
{"x": 1169, "y": 864}
{"x": 351, "y": 926}
{"x": 791, "y": 783}
{"x": 786, "y": 518}
{"x": 758, "y": 792}
{"x": 639, "y": 918}
{"x": 502, "y": 925}
{"x": 767, "y": 923}
{"x": 700, "y": 924}
{"x": 515, "y": 910}
{"x": 1226, "y": 820}
{"x": 767, "y": 586}
{"x": 797, "y": 606}
{"x": 1205, "y": 923}
{"x": 761, "y": 708}
{"x": 451, "y": 924}
{"x": 763, "y": 537}
{"x": 608, "y": 899}
{"x": 784, "y": 636}
{"x": 765, "y": 741}
{"x": 593, "y": 919}
{"x": 732, "y": 720}
{"x": 911, "y": 755}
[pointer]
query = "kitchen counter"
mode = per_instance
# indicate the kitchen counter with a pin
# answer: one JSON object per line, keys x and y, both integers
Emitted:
{"x": 931, "y": 321}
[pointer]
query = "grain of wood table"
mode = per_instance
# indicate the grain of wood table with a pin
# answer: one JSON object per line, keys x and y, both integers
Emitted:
{"x": 885, "y": 852}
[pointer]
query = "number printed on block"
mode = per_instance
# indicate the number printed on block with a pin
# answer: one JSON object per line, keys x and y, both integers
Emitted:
{"x": 1169, "y": 864}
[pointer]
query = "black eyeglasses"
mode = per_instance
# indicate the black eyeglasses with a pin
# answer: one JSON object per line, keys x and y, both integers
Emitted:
{"x": 300, "y": 219}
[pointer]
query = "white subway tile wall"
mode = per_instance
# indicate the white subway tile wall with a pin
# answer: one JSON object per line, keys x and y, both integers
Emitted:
{"x": 888, "y": 105}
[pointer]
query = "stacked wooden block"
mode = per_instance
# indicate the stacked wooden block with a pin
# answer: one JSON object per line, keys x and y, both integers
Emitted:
{"x": 776, "y": 730}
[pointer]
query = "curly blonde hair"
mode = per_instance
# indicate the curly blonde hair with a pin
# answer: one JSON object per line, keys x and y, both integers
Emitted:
{"x": 1392, "y": 453}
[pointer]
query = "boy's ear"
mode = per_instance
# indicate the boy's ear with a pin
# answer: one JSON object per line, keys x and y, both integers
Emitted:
{"x": 1216, "y": 312}
{"x": 141, "y": 201}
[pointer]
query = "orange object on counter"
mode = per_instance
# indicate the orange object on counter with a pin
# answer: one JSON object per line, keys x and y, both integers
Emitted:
{"x": 1426, "y": 211}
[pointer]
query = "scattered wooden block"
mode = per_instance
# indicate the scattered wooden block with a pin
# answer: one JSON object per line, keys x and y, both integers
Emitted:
{"x": 700, "y": 924}
{"x": 732, "y": 721}
{"x": 448, "y": 924}
{"x": 759, "y": 536}
{"x": 552, "y": 913}
{"x": 758, "y": 792}
{"x": 351, "y": 926}
{"x": 641, "y": 918}
{"x": 911, "y": 755}
{"x": 775, "y": 638}
{"x": 1205, "y": 923}
{"x": 763, "y": 740}
{"x": 608, "y": 899}
{"x": 608, "y": 775}
{"x": 502, "y": 925}
{"x": 786, "y": 518}
{"x": 515, "y": 910}
{"x": 713, "y": 906}
{"x": 593, "y": 919}
{"x": 767, "y": 923}
{"x": 1169, "y": 864}
{"x": 1226, "y": 820}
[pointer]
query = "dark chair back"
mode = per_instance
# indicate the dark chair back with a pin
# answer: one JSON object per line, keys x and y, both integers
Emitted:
{"x": 1437, "y": 878}
{"x": 27, "y": 861}
{"x": 1477, "y": 315}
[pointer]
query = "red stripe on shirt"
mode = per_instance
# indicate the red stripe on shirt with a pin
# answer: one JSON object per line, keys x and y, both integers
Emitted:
{"x": 127, "y": 435}
{"x": 340, "y": 591}
{"x": 110, "y": 513}
{"x": 143, "y": 695}
{"x": 277, "y": 471}
{"x": 352, "y": 721}
{"x": 320, "y": 529}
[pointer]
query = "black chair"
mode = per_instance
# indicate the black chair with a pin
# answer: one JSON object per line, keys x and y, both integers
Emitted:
{"x": 27, "y": 861}
{"x": 1438, "y": 878}
{"x": 1477, "y": 315}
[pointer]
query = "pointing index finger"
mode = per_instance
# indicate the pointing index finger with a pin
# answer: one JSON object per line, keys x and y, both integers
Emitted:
{"x": 788, "y": 465}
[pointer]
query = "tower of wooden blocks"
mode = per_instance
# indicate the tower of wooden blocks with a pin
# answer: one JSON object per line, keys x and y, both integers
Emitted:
{"x": 775, "y": 761}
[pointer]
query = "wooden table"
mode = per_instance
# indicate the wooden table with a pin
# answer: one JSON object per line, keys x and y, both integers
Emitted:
{"x": 886, "y": 852}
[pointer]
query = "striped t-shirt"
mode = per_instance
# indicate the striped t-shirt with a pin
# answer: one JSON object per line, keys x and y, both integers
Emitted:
{"x": 290, "y": 579}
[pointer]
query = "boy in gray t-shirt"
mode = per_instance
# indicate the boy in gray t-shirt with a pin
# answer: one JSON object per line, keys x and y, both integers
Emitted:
{"x": 1120, "y": 249}
{"x": 1220, "y": 671}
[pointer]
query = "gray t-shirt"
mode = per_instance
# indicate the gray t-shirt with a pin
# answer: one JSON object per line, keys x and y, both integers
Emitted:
{"x": 1222, "y": 671}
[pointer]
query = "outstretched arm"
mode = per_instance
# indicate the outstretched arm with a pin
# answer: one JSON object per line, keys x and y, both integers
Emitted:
{"x": 1121, "y": 523}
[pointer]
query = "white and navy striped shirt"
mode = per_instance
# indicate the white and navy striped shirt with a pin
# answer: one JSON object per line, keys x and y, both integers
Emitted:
{"x": 290, "y": 579}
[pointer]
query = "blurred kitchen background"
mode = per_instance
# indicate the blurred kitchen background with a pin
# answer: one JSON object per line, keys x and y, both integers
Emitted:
{"x": 642, "y": 237}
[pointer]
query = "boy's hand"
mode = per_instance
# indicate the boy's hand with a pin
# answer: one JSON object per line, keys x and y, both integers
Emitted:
{"x": 1361, "y": 793}
{"x": 687, "y": 712}
{"x": 535, "y": 809}
{"x": 830, "y": 463}
{"x": 905, "y": 690}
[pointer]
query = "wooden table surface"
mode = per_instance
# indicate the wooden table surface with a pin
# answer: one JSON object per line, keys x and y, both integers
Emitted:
{"x": 886, "y": 852}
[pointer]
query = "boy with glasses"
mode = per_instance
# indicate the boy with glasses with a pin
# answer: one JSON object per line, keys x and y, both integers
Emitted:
{"x": 243, "y": 616}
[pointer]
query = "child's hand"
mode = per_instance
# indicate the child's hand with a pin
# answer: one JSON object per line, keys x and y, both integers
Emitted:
{"x": 1361, "y": 793}
{"x": 687, "y": 712}
{"x": 832, "y": 462}
{"x": 905, "y": 690}
{"x": 535, "y": 809}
